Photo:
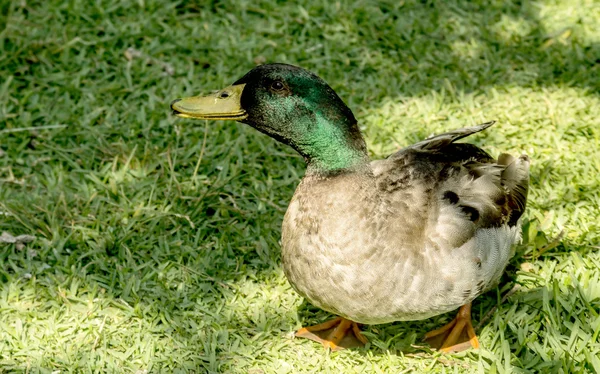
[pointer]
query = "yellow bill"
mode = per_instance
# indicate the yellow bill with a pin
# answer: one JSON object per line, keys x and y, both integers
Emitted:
{"x": 224, "y": 104}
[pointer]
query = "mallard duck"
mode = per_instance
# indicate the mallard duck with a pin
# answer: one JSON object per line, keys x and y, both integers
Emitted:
{"x": 420, "y": 233}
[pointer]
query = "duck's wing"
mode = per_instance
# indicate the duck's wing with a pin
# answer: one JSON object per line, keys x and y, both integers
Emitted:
{"x": 443, "y": 140}
{"x": 456, "y": 188}
{"x": 454, "y": 211}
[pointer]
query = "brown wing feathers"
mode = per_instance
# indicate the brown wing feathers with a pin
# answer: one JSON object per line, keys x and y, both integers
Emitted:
{"x": 492, "y": 192}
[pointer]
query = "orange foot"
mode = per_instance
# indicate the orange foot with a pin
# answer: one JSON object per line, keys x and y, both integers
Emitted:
{"x": 336, "y": 334}
{"x": 456, "y": 336}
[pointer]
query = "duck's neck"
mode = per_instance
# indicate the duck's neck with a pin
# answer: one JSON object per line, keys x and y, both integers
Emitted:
{"x": 333, "y": 147}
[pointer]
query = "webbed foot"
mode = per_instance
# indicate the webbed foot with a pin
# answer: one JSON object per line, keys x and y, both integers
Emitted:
{"x": 336, "y": 334}
{"x": 456, "y": 336}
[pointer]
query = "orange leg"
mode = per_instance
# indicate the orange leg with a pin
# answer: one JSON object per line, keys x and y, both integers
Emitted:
{"x": 336, "y": 334}
{"x": 456, "y": 336}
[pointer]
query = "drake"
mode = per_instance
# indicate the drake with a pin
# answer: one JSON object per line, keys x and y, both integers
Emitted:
{"x": 423, "y": 232}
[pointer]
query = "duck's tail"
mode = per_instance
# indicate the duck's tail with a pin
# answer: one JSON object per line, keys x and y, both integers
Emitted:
{"x": 515, "y": 179}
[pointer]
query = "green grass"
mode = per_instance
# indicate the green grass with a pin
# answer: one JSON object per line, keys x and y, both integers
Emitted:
{"x": 157, "y": 239}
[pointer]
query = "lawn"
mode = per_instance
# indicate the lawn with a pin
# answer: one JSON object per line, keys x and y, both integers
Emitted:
{"x": 157, "y": 239}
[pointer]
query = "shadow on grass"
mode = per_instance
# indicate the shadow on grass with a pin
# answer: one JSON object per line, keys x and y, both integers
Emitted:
{"x": 412, "y": 48}
{"x": 463, "y": 46}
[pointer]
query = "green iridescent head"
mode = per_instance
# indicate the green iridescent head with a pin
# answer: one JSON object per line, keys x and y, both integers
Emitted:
{"x": 293, "y": 106}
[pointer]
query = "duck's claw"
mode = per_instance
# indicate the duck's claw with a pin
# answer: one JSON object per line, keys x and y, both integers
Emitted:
{"x": 336, "y": 334}
{"x": 456, "y": 336}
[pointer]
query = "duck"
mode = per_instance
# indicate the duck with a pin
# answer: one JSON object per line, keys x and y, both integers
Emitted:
{"x": 420, "y": 233}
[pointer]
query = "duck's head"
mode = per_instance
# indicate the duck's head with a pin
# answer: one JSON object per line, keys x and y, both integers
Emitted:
{"x": 293, "y": 106}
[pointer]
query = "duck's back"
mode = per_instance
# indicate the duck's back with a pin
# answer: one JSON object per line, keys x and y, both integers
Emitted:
{"x": 417, "y": 234}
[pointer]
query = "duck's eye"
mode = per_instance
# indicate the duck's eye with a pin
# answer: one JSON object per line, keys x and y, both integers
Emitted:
{"x": 277, "y": 86}
{"x": 224, "y": 95}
